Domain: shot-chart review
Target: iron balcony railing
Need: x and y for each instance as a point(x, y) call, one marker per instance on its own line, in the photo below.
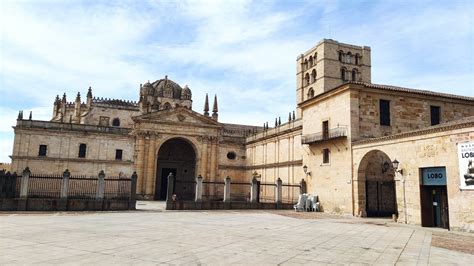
point(333, 133)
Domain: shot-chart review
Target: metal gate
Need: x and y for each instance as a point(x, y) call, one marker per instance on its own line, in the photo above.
point(380, 198)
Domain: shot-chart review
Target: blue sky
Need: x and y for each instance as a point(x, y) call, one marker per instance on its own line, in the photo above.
point(243, 51)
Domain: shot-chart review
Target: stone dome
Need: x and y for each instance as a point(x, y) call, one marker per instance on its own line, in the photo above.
point(167, 88)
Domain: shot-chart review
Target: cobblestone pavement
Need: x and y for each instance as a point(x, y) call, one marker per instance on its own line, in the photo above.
point(213, 237)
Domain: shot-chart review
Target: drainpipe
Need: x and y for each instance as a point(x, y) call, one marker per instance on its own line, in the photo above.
point(404, 199)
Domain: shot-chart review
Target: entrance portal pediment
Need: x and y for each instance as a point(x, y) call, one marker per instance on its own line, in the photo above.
point(179, 115)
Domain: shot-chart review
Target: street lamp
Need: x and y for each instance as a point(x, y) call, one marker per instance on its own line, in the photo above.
point(305, 170)
point(395, 165)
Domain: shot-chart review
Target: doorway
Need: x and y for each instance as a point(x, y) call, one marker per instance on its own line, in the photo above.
point(176, 156)
point(434, 198)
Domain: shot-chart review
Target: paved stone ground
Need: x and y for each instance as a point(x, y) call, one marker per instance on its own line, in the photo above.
point(153, 236)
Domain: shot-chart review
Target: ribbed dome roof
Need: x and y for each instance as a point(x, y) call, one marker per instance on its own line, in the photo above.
point(166, 88)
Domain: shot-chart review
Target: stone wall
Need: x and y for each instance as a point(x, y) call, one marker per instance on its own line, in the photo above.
point(433, 147)
point(63, 149)
point(276, 153)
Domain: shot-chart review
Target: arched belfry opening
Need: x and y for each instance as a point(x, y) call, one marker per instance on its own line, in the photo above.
point(176, 156)
point(376, 185)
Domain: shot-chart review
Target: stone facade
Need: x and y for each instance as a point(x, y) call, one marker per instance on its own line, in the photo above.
point(346, 132)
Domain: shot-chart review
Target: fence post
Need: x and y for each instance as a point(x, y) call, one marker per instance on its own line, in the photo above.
point(170, 191)
point(24, 183)
point(133, 191)
point(100, 186)
point(65, 184)
point(253, 190)
point(227, 189)
point(279, 190)
point(24, 189)
point(302, 187)
point(198, 196)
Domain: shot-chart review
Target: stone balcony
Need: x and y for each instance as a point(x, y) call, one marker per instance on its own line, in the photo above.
point(333, 133)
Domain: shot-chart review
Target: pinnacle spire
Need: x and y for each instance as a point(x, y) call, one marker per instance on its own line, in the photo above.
point(214, 106)
point(206, 106)
point(89, 92)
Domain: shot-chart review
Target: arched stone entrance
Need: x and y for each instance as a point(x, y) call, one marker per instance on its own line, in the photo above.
point(176, 156)
point(376, 185)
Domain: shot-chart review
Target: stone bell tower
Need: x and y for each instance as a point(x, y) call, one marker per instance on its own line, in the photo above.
point(328, 65)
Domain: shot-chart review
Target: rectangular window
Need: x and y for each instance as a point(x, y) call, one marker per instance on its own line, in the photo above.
point(325, 129)
point(435, 115)
point(326, 156)
point(82, 150)
point(104, 121)
point(43, 149)
point(384, 112)
point(118, 154)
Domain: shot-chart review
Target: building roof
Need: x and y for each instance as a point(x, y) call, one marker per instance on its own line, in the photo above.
point(416, 91)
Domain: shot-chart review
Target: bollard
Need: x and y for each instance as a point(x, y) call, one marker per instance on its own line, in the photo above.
point(227, 189)
point(198, 196)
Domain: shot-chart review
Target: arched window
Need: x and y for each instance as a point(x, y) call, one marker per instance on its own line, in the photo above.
point(305, 65)
point(341, 56)
point(310, 93)
point(349, 58)
point(116, 122)
point(313, 76)
point(354, 74)
point(343, 74)
point(357, 56)
point(310, 61)
point(315, 58)
point(306, 79)
point(167, 106)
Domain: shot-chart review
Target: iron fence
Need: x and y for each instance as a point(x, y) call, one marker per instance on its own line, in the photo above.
point(82, 187)
point(213, 190)
point(290, 193)
point(240, 191)
point(44, 186)
point(9, 185)
point(267, 192)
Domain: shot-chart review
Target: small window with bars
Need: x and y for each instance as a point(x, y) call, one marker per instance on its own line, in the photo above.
point(43, 150)
point(118, 154)
point(326, 156)
point(82, 150)
point(326, 129)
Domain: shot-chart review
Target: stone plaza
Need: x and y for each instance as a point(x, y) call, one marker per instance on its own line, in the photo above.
point(152, 235)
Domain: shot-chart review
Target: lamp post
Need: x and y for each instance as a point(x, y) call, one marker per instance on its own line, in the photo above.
point(395, 165)
point(305, 170)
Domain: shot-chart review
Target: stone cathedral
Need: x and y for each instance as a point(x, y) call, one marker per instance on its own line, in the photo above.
point(363, 148)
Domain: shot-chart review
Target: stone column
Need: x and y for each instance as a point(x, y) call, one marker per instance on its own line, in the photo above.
point(227, 189)
point(204, 159)
point(140, 163)
point(279, 190)
point(253, 191)
point(150, 168)
point(198, 196)
point(65, 184)
point(213, 158)
point(24, 183)
point(100, 186)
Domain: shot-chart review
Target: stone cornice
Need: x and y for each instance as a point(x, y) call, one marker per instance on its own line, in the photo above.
point(275, 135)
point(76, 160)
point(434, 129)
point(273, 165)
